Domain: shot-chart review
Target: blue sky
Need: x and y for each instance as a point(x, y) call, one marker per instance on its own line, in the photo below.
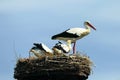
point(23, 22)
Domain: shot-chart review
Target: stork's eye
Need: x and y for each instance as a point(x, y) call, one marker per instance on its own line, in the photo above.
point(87, 23)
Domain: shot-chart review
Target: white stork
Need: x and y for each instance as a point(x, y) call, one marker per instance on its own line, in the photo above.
point(37, 52)
point(41, 49)
point(60, 48)
point(73, 34)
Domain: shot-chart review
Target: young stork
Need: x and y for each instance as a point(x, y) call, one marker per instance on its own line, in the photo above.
point(73, 34)
point(41, 49)
point(37, 52)
point(60, 48)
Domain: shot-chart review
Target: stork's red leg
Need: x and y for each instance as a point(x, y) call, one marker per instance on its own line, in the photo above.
point(74, 48)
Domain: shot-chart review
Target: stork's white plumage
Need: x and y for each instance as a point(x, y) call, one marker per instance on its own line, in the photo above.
point(37, 52)
point(41, 49)
point(61, 48)
point(73, 34)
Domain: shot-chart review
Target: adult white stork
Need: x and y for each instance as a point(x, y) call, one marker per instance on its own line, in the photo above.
point(60, 48)
point(73, 34)
point(41, 49)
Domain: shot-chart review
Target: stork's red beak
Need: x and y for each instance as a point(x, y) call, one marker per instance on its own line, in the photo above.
point(91, 25)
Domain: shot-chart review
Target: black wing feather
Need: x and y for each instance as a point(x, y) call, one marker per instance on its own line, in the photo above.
point(39, 46)
point(65, 34)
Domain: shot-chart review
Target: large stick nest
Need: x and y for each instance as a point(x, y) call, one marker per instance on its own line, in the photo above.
point(56, 68)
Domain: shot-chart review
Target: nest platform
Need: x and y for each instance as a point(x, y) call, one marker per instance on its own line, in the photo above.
point(57, 68)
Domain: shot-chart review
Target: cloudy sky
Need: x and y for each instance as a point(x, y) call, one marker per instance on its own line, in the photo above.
point(23, 22)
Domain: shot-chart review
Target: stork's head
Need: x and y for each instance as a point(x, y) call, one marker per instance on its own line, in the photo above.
point(87, 23)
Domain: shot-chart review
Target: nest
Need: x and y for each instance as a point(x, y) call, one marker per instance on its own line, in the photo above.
point(56, 68)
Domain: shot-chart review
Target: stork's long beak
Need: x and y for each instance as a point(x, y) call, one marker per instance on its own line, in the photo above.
point(91, 25)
